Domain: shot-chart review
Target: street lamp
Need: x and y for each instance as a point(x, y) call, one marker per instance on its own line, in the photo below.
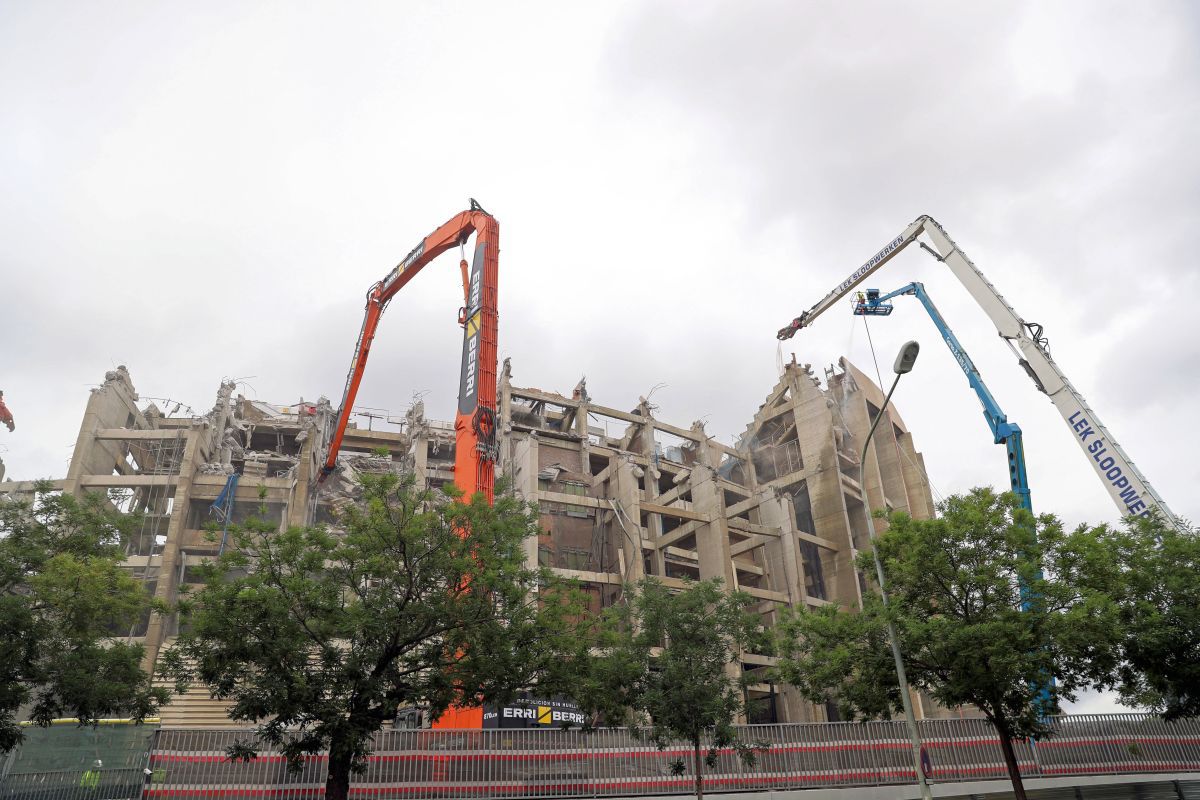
point(905, 360)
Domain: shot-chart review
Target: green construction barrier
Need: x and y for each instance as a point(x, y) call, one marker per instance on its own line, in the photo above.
point(65, 746)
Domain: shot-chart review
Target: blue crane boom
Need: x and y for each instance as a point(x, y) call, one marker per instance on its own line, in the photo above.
point(872, 304)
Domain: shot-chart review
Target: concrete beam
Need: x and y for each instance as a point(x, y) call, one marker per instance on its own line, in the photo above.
point(817, 540)
point(769, 414)
point(674, 583)
point(572, 499)
point(131, 434)
point(745, 505)
point(248, 484)
point(759, 660)
point(127, 481)
point(550, 433)
point(730, 486)
point(615, 453)
point(672, 511)
point(28, 486)
point(792, 477)
point(682, 433)
point(588, 577)
point(745, 566)
point(682, 532)
point(764, 594)
point(749, 544)
point(545, 397)
point(851, 486)
point(673, 494)
point(142, 561)
point(739, 524)
point(604, 474)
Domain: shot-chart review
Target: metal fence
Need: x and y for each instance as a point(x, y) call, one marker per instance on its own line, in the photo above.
point(75, 784)
point(73, 762)
point(500, 764)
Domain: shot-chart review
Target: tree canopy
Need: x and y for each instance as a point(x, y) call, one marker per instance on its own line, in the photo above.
point(989, 604)
point(62, 591)
point(674, 660)
point(1160, 615)
point(419, 600)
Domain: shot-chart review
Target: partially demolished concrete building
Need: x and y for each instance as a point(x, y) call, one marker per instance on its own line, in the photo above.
point(621, 494)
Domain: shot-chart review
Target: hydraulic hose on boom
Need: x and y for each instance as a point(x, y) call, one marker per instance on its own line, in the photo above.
point(1126, 485)
point(475, 421)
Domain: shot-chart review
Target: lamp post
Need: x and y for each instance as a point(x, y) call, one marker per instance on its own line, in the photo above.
point(905, 360)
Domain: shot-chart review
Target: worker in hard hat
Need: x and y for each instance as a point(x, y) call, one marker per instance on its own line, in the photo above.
point(90, 779)
point(6, 416)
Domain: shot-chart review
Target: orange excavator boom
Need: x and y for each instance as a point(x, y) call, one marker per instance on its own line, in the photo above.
point(475, 421)
point(6, 417)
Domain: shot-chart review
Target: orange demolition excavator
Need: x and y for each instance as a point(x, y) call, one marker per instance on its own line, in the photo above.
point(475, 422)
point(6, 417)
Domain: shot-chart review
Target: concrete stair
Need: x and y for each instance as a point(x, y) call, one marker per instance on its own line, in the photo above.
point(195, 708)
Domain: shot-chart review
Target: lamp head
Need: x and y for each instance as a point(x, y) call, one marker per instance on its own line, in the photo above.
point(906, 358)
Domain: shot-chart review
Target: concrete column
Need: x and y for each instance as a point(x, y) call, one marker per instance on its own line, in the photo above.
point(791, 706)
point(623, 487)
point(418, 444)
point(523, 465)
point(109, 406)
point(920, 496)
point(504, 392)
point(891, 464)
point(581, 425)
point(712, 537)
point(221, 410)
point(654, 522)
point(783, 568)
point(168, 575)
point(299, 498)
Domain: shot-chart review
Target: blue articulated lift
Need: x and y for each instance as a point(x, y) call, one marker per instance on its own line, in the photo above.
point(1128, 488)
point(872, 304)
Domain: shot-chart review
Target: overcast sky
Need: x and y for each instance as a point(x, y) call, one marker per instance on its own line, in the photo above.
point(206, 191)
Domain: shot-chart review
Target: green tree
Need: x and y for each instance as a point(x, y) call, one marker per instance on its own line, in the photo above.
point(62, 591)
point(956, 587)
point(320, 637)
point(673, 659)
point(1160, 616)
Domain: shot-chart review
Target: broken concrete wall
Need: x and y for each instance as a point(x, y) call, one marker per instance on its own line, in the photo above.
point(620, 493)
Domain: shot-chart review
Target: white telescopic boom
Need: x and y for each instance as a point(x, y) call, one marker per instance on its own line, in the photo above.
point(1125, 483)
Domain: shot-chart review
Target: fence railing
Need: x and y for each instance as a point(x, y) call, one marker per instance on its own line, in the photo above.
point(500, 764)
point(75, 784)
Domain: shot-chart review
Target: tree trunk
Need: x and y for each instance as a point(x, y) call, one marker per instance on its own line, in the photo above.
point(699, 767)
point(1010, 761)
point(337, 785)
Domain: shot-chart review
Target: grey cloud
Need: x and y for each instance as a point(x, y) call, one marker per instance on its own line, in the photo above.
point(224, 183)
point(1052, 141)
point(854, 118)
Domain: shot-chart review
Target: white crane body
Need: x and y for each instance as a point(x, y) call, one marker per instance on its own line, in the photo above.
point(1125, 483)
